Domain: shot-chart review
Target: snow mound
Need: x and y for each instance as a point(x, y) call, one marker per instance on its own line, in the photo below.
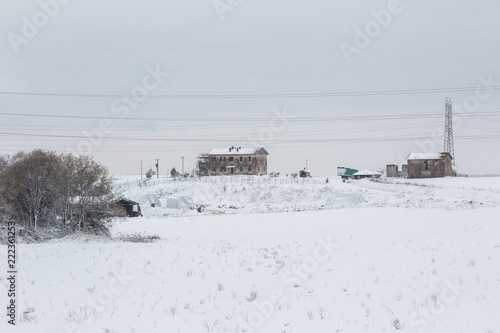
point(345, 198)
point(182, 202)
point(150, 200)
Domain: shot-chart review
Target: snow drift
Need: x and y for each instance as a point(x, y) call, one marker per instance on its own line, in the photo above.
point(181, 202)
point(345, 198)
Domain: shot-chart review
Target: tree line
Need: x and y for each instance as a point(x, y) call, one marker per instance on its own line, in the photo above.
point(42, 190)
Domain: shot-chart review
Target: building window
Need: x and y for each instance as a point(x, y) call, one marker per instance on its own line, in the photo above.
point(241, 169)
point(258, 158)
point(214, 159)
point(258, 168)
point(241, 158)
point(249, 158)
point(223, 159)
point(231, 159)
point(250, 168)
point(215, 170)
point(264, 168)
point(426, 165)
point(222, 169)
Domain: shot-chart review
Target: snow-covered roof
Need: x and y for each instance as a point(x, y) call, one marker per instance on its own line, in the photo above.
point(234, 151)
point(366, 173)
point(425, 156)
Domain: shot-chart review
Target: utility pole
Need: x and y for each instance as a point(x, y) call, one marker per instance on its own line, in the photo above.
point(183, 164)
point(157, 168)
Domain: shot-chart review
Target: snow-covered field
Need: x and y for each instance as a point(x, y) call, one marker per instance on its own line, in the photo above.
point(418, 256)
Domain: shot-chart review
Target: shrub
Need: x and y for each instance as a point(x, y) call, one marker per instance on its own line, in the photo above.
point(43, 190)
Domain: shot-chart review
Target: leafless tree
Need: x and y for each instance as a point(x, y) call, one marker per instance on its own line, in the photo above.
point(43, 188)
point(29, 185)
point(203, 165)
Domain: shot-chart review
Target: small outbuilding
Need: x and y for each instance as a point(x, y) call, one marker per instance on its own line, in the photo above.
point(304, 173)
point(366, 174)
point(430, 165)
point(132, 208)
point(392, 171)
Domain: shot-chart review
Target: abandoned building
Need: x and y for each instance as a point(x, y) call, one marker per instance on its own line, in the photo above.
point(429, 165)
point(392, 170)
point(304, 173)
point(234, 161)
point(132, 208)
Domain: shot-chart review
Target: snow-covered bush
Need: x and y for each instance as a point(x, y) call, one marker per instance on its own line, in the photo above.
point(150, 173)
point(43, 190)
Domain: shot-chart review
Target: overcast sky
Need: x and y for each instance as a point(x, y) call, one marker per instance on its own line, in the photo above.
point(325, 80)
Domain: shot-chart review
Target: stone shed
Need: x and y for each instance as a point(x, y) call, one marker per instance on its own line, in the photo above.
point(429, 165)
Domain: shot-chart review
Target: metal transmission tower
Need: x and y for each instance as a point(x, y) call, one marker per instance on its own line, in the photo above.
point(449, 146)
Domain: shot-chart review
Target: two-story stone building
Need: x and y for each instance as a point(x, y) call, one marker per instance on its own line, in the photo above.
point(236, 161)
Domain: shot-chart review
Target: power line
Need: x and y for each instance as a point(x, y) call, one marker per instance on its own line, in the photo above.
point(217, 46)
point(225, 119)
point(337, 140)
point(260, 96)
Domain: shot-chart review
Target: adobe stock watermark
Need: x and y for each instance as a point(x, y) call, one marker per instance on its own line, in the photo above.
point(291, 278)
point(277, 124)
point(122, 108)
point(31, 27)
point(222, 7)
point(484, 90)
point(98, 301)
point(423, 317)
point(372, 29)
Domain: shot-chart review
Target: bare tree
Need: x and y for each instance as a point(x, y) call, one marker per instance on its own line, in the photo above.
point(41, 189)
point(93, 190)
point(203, 165)
point(29, 184)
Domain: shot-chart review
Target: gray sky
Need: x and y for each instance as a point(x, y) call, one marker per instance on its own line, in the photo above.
point(274, 56)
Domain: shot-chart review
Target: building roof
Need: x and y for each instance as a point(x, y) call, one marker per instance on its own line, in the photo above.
point(366, 173)
point(236, 151)
point(426, 156)
point(126, 201)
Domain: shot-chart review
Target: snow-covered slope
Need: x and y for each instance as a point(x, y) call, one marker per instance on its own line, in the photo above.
point(258, 195)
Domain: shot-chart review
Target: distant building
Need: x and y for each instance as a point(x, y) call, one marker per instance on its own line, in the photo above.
point(430, 165)
point(346, 172)
point(132, 208)
point(392, 170)
point(304, 173)
point(235, 161)
point(366, 174)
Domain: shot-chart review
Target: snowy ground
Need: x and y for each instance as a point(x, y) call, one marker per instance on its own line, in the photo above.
point(419, 256)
